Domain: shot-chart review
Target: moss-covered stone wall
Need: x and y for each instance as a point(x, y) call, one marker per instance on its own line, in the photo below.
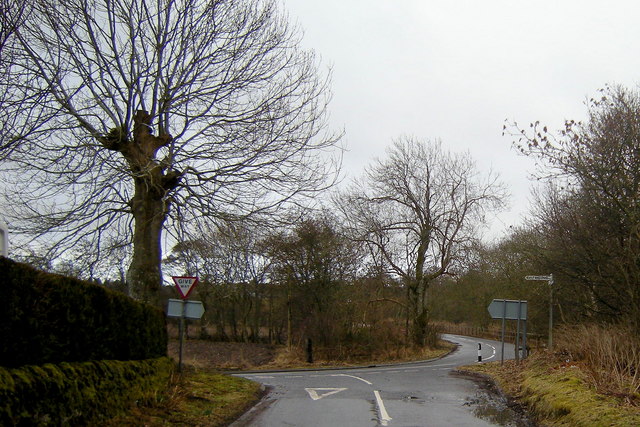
point(79, 394)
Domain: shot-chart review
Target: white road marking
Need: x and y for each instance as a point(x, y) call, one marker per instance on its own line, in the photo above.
point(351, 376)
point(313, 392)
point(262, 376)
point(493, 354)
point(294, 376)
point(382, 411)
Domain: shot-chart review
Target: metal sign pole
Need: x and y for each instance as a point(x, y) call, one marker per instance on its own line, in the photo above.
point(181, 332)
point(550, 345)
point(518, 332)
point(525, 351)
point(504, 311)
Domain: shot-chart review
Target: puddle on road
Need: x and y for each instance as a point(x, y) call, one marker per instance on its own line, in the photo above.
point(491, 406)
point(496, 411)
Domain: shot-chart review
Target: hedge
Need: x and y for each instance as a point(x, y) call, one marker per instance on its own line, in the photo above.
point(79, 394)
point(49, 318)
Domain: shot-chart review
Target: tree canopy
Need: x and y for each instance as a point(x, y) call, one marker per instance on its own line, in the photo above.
point(134, 117)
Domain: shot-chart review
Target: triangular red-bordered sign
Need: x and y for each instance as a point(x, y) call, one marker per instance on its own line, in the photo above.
point(184, 285)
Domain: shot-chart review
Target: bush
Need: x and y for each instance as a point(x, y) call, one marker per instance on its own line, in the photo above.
point(79, 393)
point(49, 318)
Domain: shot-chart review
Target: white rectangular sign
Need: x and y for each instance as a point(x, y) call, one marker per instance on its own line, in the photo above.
point(191, 309)
point(509, 309)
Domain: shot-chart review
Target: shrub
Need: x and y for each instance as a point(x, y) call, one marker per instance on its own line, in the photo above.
point(49, 318)
point(79, 393)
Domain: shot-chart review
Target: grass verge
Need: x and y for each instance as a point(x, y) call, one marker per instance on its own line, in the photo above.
point(196, 398)
point(557, 394)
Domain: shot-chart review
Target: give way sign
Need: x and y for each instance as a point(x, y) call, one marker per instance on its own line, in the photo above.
point(184, 285)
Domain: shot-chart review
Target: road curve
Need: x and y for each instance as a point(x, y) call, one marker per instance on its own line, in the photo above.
point(425, 393)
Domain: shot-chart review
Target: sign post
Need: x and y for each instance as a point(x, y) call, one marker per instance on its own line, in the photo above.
point(184, 309)
point(509, 310)
point(548, 279)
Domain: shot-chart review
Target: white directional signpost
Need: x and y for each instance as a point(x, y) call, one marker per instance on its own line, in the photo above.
point(548, 279)
point(511, 310)
point(183, 309)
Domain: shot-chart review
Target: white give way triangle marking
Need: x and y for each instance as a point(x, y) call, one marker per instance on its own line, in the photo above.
point(319, 393)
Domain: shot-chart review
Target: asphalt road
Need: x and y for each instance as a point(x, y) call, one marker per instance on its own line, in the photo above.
point(413, 394)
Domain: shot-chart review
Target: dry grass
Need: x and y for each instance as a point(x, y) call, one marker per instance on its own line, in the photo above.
point(609, 355)
point(204, 354)
point(295, 358)
point(226, 356)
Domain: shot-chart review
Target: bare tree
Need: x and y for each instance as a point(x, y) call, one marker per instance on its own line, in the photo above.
point(12, 15)
point(591, 221)
point(153, 115)
point(419, 210)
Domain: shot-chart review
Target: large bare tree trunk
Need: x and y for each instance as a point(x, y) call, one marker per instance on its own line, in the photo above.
point(145, 276)
point(149, 206)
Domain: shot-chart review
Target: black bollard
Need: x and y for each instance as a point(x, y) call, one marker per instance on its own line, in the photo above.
point(309, 351)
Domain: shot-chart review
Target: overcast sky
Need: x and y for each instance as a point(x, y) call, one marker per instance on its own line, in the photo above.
point(456, 70)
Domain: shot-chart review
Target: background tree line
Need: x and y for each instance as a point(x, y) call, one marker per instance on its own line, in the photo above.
point(211, 139)
point(583, 228)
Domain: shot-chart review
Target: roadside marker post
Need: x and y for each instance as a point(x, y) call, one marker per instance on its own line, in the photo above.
point(479, 352)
